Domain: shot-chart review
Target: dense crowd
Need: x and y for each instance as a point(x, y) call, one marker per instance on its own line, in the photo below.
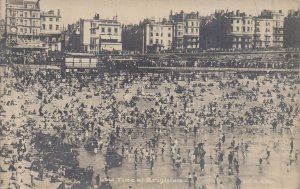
point(270, 61)
point(225, 61)
point(199, 120)
point(31, 58)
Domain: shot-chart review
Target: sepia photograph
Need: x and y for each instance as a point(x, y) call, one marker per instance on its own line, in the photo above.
point(149, 94)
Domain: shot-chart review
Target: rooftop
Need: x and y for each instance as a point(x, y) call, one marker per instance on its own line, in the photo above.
point(153, 21)
point(51, 13)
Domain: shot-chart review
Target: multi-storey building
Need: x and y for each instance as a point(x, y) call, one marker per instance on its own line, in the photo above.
point(156, 36)
point(2, 34)
point(2, 28)
point(23, 25)
point(263, 36)
point(51, 30)
point(239, 30)
point(292, 29)
point(268, 29)
point(97, 35)
point(186, 30)
point(278, 19)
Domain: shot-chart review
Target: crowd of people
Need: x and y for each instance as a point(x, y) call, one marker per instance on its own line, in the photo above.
point(38, 57)
point(184, 125)
point(226, 61)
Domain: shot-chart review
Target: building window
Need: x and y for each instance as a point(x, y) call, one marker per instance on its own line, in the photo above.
point(44, 18)
point(244, 22)
point(169, 34)
point(44, 26)
point(50, 26)
point(57, 28)
point(169, 28)
point(102, 30)
point(161, 34)
point(248, 29)
point(237, 28)
point(57, 19)
point(151, 34)
point(116, 30)
point(244, 28)
point(237, 21)
point(231, 29)
point(192, 30)
point(109, 30)
point(161, 42)
point(157, 34)
point(25, 30)
point(196, 30)
point(151, 27)
point(151, 41)
point(192, 23)
point(50, 19)
point(248, 21)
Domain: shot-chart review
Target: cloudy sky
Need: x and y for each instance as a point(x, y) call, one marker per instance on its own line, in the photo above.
point(132, 11)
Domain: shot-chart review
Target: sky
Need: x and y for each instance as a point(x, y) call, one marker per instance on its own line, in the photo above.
point(133, 11)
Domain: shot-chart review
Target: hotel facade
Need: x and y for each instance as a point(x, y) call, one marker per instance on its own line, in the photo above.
point(100, 35)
